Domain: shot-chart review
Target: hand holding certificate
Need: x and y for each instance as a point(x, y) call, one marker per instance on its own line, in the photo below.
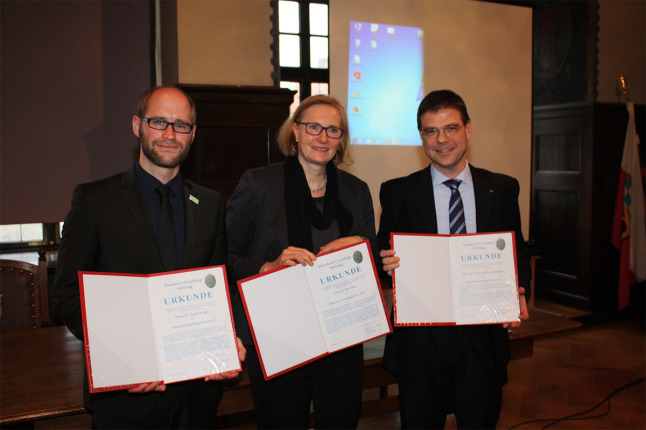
point(166, 327)
point(463, 279)
point(300, 313)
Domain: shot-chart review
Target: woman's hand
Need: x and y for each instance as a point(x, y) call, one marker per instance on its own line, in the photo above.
point(340, 243)
point(389, 261)
point(290, 256)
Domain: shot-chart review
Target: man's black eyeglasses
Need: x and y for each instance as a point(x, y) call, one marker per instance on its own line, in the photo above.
point(160, 124)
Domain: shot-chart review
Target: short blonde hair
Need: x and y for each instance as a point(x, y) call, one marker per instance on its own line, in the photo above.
point(287, 141)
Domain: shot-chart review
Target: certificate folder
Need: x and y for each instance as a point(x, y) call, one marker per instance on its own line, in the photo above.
point(455, 280)
point(301, 313)
point(167, 327)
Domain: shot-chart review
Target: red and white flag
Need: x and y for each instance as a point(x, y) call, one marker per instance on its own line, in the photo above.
point(629, 226)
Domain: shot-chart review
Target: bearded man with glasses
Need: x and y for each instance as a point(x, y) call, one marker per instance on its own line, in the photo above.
point(115, 225)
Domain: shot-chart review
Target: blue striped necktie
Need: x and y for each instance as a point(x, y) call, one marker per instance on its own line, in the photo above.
point(457, 224)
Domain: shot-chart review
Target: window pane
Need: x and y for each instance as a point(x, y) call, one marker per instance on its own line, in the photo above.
point(290, 51)
point(288, 17)
point(318, 19)
point(32, 232)
point(294, 86)
point(10, 233)
point(320, 88)
point(318, 52)
point(16, 233)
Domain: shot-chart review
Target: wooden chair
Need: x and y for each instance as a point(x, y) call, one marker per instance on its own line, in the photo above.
point(23, 295)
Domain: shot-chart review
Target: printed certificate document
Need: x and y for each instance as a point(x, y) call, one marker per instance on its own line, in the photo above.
point(300, 313)
point(168, 327)
point(463, 279)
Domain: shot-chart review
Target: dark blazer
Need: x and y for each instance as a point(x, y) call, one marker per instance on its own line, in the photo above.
point(408, 206)
point(108, 229)
point(257, 224)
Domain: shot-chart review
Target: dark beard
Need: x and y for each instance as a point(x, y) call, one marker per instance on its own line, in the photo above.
point(149, 153)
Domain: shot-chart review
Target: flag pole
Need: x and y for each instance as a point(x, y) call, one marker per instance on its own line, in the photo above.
point(629, 225)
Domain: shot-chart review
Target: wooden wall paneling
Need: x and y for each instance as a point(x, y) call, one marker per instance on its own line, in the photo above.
point(557, 198)
point(236, 131)
point(577, 150)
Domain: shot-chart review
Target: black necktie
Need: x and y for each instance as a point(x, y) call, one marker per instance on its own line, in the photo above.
point(457, 224)
point(166, 227)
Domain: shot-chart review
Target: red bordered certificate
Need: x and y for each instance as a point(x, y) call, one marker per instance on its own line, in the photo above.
point(167, 327)
point(301, 313)
point(455, 279)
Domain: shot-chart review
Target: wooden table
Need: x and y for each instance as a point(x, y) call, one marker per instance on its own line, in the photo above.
point(41, 375)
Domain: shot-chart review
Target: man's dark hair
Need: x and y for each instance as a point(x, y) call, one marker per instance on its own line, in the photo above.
point(441, 99)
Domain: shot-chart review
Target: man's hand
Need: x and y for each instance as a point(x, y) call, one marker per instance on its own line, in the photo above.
point(524, 313)
point(389, 261)
point(231, 374)
point(147, 388)
point(242, 351)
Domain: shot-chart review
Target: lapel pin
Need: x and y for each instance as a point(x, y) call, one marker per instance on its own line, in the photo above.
point(194, 199)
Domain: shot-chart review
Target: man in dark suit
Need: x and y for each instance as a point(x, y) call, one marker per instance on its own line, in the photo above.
point(450, 368)
point(113, 226)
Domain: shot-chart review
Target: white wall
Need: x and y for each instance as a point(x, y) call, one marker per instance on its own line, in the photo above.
point(224, 42)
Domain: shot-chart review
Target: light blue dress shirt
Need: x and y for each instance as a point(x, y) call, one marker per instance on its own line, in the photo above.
point(442, 195)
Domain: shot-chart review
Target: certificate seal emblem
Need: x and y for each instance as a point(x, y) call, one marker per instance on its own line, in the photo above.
point(357, 256)
point(500, 244)
point(209, 280)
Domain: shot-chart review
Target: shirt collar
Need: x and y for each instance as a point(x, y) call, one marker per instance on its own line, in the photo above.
point(438, 178)
point(149, 183)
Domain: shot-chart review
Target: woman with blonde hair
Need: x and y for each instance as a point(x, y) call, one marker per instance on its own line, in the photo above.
point(286, 214)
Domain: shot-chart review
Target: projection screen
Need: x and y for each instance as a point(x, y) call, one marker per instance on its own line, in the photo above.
point(482, 51)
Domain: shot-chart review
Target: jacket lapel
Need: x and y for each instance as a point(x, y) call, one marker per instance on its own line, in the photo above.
point(424, 198)
point(191, 212)
point(484, 192)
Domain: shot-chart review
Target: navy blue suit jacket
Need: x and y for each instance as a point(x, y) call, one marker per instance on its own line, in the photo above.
point(108, 229)
point(408, 206)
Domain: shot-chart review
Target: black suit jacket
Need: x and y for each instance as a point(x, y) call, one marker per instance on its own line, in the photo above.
point(408, 206)
point(257, 224)
point(108, 229)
